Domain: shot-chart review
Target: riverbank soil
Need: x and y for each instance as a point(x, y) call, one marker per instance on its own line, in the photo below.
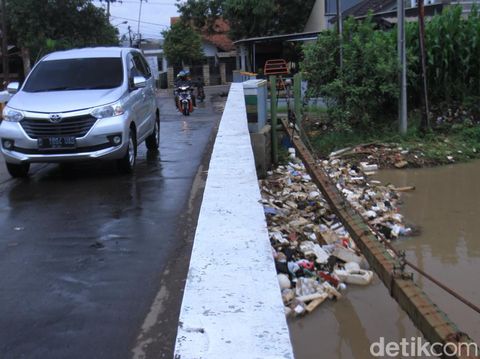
point(454, 137)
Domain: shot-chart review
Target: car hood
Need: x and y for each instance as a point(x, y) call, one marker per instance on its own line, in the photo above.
point(63, 101)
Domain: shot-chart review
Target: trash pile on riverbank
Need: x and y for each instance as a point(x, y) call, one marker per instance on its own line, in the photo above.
point(315, 257)
point(453, 139)
point(385, 155)
point(376, 203)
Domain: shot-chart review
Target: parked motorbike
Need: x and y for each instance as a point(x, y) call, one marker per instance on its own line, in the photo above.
point(184, 99)
point(200, 93)
point(200, 90)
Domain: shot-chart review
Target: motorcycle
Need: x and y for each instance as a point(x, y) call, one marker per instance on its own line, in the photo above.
point(200, 90)
point(200, 93)
point(184, 99)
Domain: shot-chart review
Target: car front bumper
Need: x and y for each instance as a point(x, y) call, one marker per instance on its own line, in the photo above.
point(95, 144)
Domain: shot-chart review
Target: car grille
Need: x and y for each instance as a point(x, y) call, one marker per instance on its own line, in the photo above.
point(62, 151)
point(69, 126)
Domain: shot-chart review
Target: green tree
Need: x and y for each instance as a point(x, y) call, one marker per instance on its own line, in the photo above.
point(202, 13)
point(182, 45)
point(249, 18)
point(364, 94)
point(108, 5)
point(42, 26)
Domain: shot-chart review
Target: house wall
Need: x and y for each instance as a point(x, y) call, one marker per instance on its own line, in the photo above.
point(317, 20)
point(209, 50)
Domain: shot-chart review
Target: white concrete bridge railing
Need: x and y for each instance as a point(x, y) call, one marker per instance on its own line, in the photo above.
point(232, 307)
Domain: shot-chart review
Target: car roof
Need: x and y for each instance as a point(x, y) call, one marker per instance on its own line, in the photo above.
point(88, 52)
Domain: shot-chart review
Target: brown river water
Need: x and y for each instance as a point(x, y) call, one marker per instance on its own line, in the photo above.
point(446, 207)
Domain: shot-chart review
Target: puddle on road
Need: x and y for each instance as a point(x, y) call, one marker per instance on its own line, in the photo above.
point(445, 205)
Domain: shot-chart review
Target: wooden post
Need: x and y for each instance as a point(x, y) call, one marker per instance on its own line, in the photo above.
point(402, 60)
point(340, 34)
point(425, 124)
point(273, 115)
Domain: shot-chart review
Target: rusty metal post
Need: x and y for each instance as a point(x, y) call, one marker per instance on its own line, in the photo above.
point(402, 61)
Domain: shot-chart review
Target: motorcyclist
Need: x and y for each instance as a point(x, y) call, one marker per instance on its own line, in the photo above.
point(183, 79)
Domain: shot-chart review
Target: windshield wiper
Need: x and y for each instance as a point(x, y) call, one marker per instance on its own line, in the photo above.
point(63, 88)
point(99, 87)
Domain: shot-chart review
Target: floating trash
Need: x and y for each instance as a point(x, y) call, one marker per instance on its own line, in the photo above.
point(315, 257)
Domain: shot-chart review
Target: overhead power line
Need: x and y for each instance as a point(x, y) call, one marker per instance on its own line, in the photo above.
point(149, 3)
point(136, 20)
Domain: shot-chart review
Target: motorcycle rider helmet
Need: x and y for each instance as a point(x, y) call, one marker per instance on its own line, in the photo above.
point(182, 75)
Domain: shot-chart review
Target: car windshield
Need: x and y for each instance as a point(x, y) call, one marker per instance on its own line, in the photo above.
point(76, 74)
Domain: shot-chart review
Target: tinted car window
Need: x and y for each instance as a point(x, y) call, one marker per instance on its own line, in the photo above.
point(147, 67)
point(76, 74)
point(139, 65)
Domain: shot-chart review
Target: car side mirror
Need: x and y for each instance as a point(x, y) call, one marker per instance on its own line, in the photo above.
point(139, 82)
point(12, 87)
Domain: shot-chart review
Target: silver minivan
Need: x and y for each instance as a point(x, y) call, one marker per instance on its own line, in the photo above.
point(81, 104)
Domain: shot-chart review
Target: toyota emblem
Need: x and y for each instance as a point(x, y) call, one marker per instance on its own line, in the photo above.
point(55, 118)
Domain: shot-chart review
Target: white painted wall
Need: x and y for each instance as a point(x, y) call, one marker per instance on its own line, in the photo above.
point(317, 20)
point(209, 49)
point(232, 306)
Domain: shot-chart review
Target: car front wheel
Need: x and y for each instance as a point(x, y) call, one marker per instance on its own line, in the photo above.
point(152, 142)
point(18, 170)
point(126, 164)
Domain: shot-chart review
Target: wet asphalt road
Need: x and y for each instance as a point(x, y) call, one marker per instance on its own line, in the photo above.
point(92, 263)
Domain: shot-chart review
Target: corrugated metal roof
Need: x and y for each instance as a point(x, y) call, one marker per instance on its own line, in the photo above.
point(286, 37)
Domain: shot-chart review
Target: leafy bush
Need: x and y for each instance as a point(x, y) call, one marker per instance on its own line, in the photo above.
point(365, 90)
point(365, 94)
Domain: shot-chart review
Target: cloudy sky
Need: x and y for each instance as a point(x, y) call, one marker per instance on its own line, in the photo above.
point(155, 15)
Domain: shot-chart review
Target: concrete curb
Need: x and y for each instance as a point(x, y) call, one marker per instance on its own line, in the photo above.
point(232, 306)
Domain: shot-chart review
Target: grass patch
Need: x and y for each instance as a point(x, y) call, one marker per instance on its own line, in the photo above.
point(459, 143)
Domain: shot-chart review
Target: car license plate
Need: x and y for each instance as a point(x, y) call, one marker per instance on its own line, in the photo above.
point(56, 142)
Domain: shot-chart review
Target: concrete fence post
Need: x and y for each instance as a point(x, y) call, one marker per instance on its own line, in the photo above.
point(273, 116)
point(170, 76)
point(206, 75)
point(223, 73)
point(297, 95)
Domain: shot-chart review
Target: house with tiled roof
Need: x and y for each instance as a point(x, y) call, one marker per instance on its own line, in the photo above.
point(220, 54)
point(385, 11)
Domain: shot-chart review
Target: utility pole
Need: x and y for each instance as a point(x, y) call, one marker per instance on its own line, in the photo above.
point(6, 70)
point(139, 15)
point(108, 7)
point(425, 124)
point(130, 35)
point(402, 57)
point(340, 33)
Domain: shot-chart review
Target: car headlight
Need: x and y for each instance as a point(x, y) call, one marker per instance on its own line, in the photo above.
point(9, 114)
point(115, 109)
